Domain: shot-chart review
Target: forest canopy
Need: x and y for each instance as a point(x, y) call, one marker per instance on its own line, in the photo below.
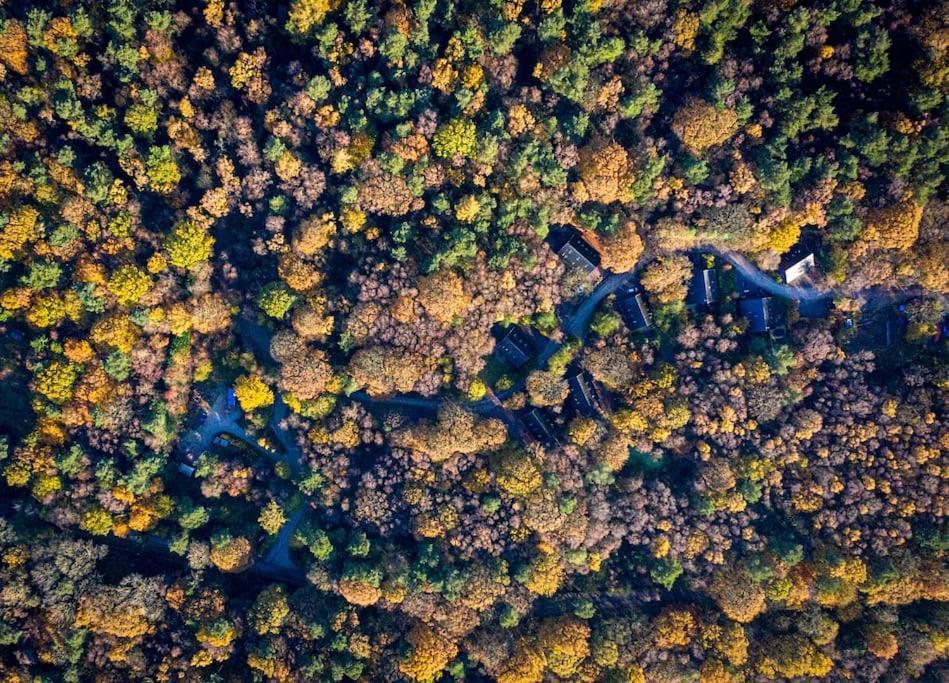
point(514, 340)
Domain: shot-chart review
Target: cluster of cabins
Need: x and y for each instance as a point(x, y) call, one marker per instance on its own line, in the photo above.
point(516, 348)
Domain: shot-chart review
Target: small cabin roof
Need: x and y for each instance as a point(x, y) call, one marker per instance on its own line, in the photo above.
point(703, 289)
point(635, 312)
point(538, 426)
point(578, 253)
point(762, 313)
point(515, 347)
point(582, 395)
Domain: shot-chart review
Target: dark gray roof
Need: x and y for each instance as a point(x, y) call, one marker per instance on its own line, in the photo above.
point(582, 395)
point(578, 253)
point(539, 427)
point(515, 347)
point(747, 288)
point(635, 313)
point(703, 290)
point(762, 313)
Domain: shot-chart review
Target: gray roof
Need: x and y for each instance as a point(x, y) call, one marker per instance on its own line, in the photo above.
point(703, 290)
point(582, 395)
point(635, 313)
point(515, 347)
point(762, 313)
point(578, 253)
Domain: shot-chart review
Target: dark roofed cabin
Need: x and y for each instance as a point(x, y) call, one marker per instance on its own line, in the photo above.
point(703, 289)
point(539, 427)
point(582, 395)
point(578, 253)
point(635, 313)
point(762, 314)
point(515, 347)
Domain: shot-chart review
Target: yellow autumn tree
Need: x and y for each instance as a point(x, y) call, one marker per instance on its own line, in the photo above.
point(895, 226)
point(305, 15)
point(667, 278)
point(21, 228)
point(129, 284)
point(545, 574)
point(253, 393)
point(188, 244)
point(526, 665)
point(231, 553)
point(455, 431)
point(442, 294)
point(565, 642)
point(385, 370)
point(429, 655)
point(792, 656)
point(737, 594)
point(621, 250)
point(700, 125)
point(271, 517)
point(13, 47)
point(56, 381)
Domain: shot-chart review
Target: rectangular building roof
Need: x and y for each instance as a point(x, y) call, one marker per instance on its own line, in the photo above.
point(578, 253)
point(762, 313)
point(539, 427)
point(515, 347)
point(703, 289)
point(634, 312)
point(582, 395)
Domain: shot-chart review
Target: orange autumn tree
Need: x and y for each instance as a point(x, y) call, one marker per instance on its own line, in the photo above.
point(619, 251)
point(606, 174)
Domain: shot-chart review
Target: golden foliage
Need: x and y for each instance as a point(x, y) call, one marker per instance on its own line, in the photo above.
point(430, 653)
point(188, 244)
point(739, 596)
point(700, 125)
point(667, 278)
point(546, 388)
point(13, 47)
point(895, 226)
point(271, 517)
point(385, 370)
point(305, 15)
point(516, 473)
point(455, 431)
point(22, 228)
point(792, 656)
point(526, 665)
point(56, 380)
point(232, 554)
point(314, 233)
point(621, 250)
point(253, 393)
point(129, 283)
point(442, 294)
point(545, 574)
point(357, 591)
point(606, 174)
point(675, 627)
point(565, 642)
